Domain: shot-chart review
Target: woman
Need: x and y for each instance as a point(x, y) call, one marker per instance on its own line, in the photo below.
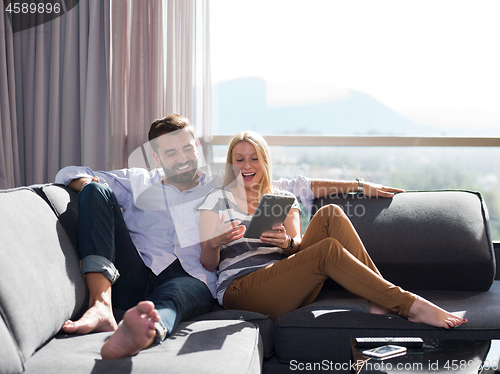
point(282, 270)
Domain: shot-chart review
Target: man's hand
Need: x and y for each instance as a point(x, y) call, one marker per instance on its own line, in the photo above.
point(377, 190)
point(328, 187)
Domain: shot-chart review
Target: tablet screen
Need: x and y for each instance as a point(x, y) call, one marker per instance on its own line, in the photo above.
point(272, 210)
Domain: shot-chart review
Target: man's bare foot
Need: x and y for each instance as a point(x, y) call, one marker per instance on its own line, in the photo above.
point(426, 312)
point(135, 333)
point(98, 318)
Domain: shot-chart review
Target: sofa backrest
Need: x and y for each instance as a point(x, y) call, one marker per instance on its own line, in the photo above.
point(425, 240)
point(64, 203)
point(10, 359)
point(41, 285)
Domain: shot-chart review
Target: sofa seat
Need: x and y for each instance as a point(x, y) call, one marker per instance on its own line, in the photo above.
point(322, 330)
point(194, 347)
point(41, 286)
point(434, 243)
point(263, 322)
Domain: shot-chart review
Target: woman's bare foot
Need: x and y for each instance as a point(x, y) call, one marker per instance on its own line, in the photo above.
point(135, 333)
point(98, 318)
point(426, 312)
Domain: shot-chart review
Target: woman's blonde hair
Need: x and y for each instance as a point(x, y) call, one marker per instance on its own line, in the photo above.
point(263, 155)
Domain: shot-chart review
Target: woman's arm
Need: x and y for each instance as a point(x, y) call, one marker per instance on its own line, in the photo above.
point(213, 234)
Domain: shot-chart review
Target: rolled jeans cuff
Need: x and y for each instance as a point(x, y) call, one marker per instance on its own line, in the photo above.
point(161, 332)
point(100, 264)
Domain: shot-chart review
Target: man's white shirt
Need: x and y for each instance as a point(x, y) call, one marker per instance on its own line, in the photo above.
point(161, 219)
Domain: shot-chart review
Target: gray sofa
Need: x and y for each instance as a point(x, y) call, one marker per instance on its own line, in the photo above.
point(41, 286)
point(435, 243)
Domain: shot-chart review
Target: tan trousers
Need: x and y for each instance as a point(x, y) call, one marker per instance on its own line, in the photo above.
point(330, 248)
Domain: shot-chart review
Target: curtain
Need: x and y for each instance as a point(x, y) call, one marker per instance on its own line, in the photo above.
point(137, 74)
point(84, 88)
point(160, 65)
point(54, 96)
point(188, 90)
point(9, 155)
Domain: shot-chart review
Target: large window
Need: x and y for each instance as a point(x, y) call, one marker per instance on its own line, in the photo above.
point(369, 68)
point(392, 67)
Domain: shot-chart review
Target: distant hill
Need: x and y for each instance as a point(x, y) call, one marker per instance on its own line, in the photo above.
point(240, 104)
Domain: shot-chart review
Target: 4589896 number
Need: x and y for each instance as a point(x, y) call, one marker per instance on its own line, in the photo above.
point(26, 7)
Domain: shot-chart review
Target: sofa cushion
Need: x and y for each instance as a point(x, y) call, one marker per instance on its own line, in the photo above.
point(321, 330)
point(10, 361)
point(40, 282)
point(263, 322)
point(64, 203)
point(425, 240)
point(194, 347)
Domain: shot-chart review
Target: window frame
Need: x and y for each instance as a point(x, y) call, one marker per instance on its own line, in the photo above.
point(371, 141)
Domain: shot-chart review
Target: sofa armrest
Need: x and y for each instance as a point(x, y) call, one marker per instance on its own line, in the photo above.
point(425, 240)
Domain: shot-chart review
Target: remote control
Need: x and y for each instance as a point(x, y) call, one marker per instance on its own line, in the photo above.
point(409, 342)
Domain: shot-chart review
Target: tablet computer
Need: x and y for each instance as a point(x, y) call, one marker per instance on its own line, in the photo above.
point(272, 210)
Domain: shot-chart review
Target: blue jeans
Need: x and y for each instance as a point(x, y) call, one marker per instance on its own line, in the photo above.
point(105, 246)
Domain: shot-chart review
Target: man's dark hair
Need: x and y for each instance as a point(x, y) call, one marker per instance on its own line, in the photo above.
point(168, 124)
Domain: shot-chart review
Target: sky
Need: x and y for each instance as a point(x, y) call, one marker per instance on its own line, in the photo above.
point(434, 61)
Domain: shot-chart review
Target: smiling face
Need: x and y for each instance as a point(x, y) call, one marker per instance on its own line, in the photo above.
point(178, 155)
point(245, 158)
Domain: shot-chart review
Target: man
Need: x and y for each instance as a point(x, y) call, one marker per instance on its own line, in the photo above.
point(138, 238)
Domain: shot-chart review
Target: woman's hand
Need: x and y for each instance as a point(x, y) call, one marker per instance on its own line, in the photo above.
point(276, 237)
point(226, 233)
point(214, 233)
